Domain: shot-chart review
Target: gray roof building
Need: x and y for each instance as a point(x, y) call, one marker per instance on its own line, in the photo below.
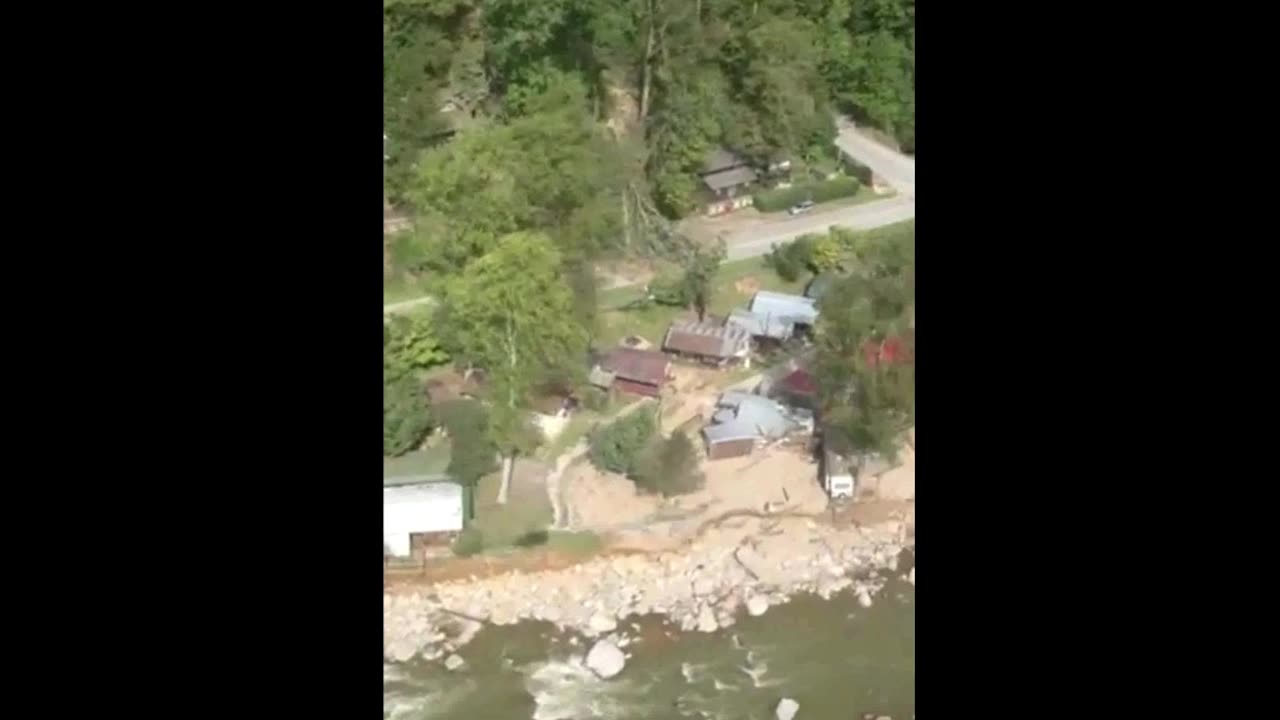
point(785, 307)
point(762, 324)
point(707, 340)
point(730, 431)
point(724, 171)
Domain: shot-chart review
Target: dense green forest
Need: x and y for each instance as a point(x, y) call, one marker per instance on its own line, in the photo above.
point(529, 139)
point(589, 118)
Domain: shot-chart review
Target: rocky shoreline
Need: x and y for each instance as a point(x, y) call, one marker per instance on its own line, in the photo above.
point(746, 564)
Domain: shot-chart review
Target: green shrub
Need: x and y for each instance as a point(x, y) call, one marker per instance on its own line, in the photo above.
point(793, 258)
point(781, 199)
point(615, 447)
point(533, 538)
point(594, 399)
point(469, 542)
point(669, 466)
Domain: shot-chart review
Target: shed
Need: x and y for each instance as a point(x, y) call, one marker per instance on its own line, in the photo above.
point(788, 308)
point(731, 439)
point(419, 511)
point(708, 340)
point(761, 324)
point(641, 372)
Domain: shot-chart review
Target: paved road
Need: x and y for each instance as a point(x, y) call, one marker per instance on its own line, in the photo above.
point(896, 169)
point(758, 239)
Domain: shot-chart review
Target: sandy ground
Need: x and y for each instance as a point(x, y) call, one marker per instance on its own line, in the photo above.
point(691, 394)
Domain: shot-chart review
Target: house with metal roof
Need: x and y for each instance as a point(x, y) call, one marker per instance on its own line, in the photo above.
point(418, 510)
point(740, 415)
point(761, 324)
point(731, 439)
point(709, 342)
point(640, 372)
point(795, 309)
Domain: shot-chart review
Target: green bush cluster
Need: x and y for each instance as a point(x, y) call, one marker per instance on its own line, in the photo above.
point(781, 199)
point(616, 446)
point(668, 466)
point(469, 542)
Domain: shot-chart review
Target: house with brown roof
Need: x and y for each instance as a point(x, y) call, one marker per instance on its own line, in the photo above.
point(640, 372)
point(709, 342)
point(727, 177)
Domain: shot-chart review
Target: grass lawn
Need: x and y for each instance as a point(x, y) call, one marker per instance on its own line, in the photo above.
point(729, 291)
point(429, 461)
point(527, 509)
point(574, 543)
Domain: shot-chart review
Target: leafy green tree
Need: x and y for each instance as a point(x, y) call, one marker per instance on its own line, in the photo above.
point(617, 447)
point(552, 170)
point(700, 271)
point(867, 397)
point(513, 316)
point(669, 466)
point(416, 55)
point(473, 454)
point(406, 418)
point(409, 343)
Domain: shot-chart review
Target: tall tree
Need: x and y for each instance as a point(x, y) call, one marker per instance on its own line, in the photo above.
point(513, 316)
point(549, 168)
point(406, 418)
point(700, 270)
point(864, 364)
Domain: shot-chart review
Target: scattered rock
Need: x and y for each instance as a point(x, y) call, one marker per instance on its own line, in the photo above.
point(757, 605)
point(864, 597)
point(704, 586)
point(707, 620)
point(605, 659)
point(911, 576)
point(601, 623)
point(453, 662)
point(787, 709)
point(402, 651)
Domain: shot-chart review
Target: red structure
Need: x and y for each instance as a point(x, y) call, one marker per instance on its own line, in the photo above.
point(890, 351)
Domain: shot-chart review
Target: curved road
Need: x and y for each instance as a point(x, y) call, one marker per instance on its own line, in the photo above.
point(895, 168)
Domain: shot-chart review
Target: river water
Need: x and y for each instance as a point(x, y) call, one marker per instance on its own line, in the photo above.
point(836, 658)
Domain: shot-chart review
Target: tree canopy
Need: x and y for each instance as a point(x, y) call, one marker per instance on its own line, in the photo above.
point(865, 365)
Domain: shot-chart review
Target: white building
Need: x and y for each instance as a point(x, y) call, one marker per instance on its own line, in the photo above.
point(418, 509)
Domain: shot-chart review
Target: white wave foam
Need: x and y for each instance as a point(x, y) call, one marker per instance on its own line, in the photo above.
point(568, 690)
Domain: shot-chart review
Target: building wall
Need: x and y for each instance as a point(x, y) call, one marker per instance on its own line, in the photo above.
point(635, 388)
point(396, 544)
point(730, 448)
point(426, 508)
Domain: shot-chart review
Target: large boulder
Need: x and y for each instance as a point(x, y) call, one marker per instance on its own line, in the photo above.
point(453, 662)
point(605, 659)
point(787, 709)
point(757, 605)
